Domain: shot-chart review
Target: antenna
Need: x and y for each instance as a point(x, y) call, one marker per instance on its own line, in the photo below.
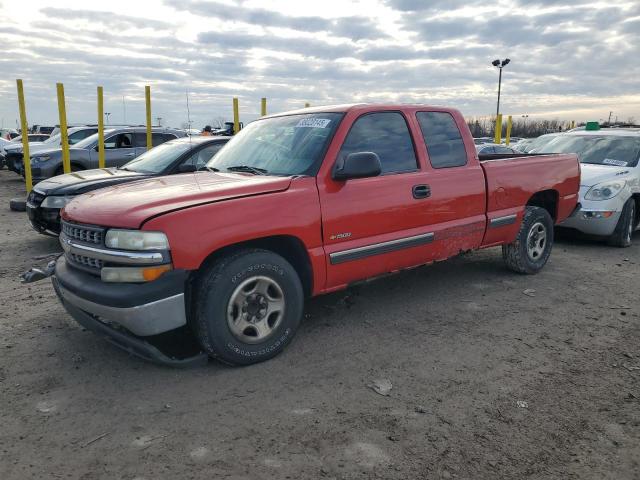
point(124, 110)
point(186, 92)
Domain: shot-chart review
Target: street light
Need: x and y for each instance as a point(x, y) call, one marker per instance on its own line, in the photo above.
point(500, 65)
point(106, 114)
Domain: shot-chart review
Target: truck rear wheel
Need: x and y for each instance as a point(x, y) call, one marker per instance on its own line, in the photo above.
point(623, 233)
point(532, 247)
point(248, 307)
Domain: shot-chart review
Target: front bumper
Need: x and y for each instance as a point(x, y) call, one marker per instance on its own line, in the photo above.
point(585, 218)
point(44, 219)
point(142, 309)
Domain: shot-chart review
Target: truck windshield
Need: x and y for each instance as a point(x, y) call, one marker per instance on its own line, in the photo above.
point(615, 150)
point(288, 145)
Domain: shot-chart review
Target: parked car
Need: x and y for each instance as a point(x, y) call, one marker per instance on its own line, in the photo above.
point(489, 148)
point(297, 205)
point(609, 184)
point(121, 145)
point(175, 156)
point(42, 129)
point(3, 142)
point(14, 151)
point(8, 133)
point(482, 140)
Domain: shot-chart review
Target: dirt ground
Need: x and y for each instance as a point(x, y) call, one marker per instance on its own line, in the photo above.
point(487, 381)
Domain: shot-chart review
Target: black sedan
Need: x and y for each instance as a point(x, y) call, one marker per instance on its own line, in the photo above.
point(183, 155)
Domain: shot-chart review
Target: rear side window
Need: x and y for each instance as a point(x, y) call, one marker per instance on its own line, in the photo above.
point(443, 139)
point(156, 139)
point(386, 134)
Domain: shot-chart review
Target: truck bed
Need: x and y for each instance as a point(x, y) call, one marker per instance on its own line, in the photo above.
point(514, 181)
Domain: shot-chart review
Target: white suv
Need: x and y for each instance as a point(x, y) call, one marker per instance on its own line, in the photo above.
point(609, 181)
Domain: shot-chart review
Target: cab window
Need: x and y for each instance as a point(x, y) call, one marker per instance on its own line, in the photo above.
point(443, 139)
point(387, 135)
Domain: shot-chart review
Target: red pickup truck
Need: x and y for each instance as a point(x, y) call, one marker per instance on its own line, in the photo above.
point(297, 205)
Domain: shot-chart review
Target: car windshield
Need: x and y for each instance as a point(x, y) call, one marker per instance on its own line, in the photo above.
point(615, 150)
point(288, 145)
point(537, 145)
point(90, 140)
point(53, 139)
point(159, 158)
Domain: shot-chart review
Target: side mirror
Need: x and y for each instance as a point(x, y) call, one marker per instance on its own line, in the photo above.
point(357, 165)
point(187, 167)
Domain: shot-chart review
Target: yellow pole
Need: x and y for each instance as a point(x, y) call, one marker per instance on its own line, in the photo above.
point(147, 98)
point(498, 134)
point(307, 105)
point(25, 137)
point(263, 107)
point(64, 139)
point(573, 124)
point(236, 116)
point(508, 139)
point(101, 163)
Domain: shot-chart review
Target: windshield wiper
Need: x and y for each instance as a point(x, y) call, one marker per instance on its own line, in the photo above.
point(248, 169)
point(208, 169)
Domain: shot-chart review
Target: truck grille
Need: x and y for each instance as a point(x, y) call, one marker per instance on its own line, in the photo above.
point(90, 263)
point(83, 233)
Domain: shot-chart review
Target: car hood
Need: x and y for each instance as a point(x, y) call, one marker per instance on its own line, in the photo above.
point(130, 205)
point(591, 174)
point(86, 180)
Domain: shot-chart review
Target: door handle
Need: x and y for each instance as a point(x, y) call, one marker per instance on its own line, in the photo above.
point(129, 154)
point(421, 191)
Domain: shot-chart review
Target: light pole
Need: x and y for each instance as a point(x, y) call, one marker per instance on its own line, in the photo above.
point(106, 114)
point(500, 65)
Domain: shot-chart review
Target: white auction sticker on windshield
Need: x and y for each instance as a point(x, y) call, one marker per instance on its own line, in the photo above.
point(617, 163)
point(313, 123)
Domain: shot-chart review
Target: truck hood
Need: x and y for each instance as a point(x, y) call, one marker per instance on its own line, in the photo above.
point(129, 205)
point(86, 180)
point(591, 174)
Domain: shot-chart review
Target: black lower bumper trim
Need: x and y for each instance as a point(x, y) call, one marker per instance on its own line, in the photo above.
point(129, 342)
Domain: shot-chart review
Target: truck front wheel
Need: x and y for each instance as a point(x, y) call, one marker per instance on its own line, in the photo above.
point(532, 247)
point(248, 307)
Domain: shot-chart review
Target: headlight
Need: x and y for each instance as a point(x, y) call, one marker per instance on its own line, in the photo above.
point(136, 240)
point(605, 190)
point(40, 159)
point(55, 202)
point(133, 274)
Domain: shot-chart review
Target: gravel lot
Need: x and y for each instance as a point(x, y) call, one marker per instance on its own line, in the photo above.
point(488, 381)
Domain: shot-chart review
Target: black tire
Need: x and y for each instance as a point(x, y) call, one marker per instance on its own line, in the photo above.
point(213, 293)
point(623, 233)
point(18, 205)
point(528, 254)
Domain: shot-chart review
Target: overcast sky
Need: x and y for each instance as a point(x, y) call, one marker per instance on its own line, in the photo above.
point(573, 60)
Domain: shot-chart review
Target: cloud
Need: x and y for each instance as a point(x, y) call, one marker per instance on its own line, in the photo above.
point(393, 51)
point(354, 27)
point(109, 19)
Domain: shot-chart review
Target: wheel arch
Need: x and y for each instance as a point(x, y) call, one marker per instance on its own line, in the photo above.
point(290, 247)
point(547, 199)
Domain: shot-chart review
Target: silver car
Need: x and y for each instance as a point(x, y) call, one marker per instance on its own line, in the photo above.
point(609, 182)
point(121, 145)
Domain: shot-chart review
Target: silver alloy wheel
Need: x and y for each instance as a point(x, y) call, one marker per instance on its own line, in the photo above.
point(255, 309)
point(536, 241)
point(632, 217)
